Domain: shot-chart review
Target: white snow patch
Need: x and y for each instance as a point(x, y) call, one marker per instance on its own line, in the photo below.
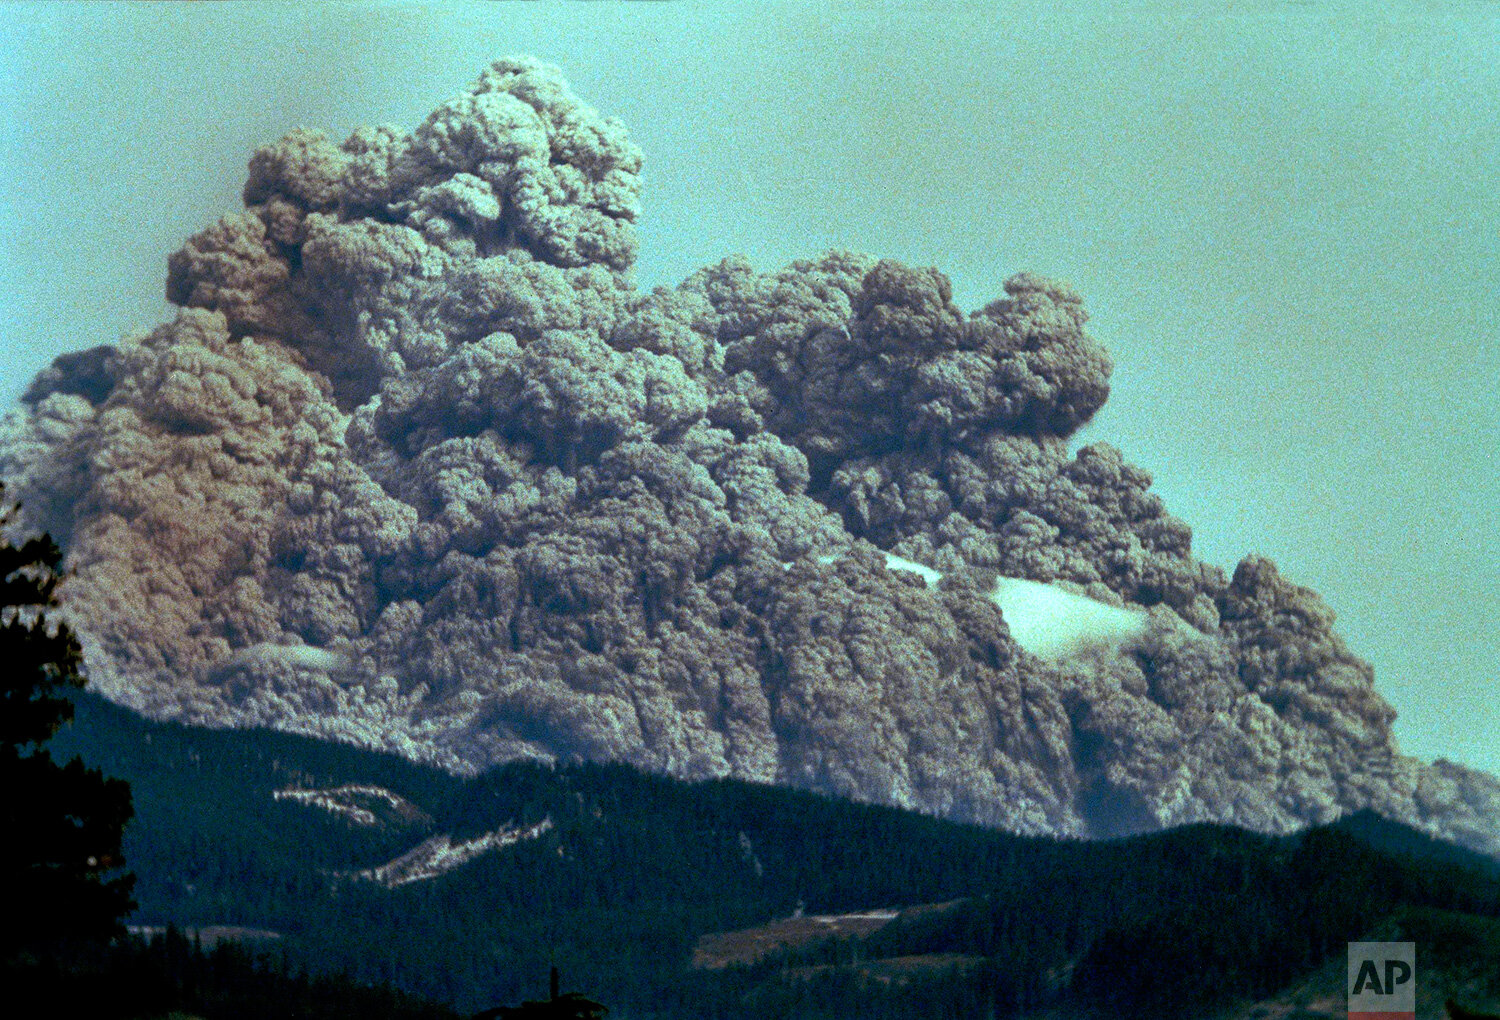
point(1048, 621)
point(298, 656)
point(894, 562)
point(1053, 623)
point(868, 915)
point(344, 800)
point(439, 855)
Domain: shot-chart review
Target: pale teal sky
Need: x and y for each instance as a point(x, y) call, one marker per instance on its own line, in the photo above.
point(1284, 217)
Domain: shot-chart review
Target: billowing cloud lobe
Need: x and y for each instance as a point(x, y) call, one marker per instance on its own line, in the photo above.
point(416, 466)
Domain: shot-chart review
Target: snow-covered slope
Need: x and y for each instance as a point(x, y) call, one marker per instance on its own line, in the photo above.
point(439, 854)
point(362, 805)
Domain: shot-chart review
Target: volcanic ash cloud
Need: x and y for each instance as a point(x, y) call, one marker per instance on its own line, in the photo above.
point(416, 466)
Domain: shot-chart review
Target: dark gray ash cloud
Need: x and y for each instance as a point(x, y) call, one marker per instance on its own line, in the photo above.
point(416, 466)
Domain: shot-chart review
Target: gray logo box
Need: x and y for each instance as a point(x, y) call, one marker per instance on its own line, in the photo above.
point(1382, 980)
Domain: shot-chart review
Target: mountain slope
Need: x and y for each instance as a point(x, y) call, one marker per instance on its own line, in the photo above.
point(635, 870)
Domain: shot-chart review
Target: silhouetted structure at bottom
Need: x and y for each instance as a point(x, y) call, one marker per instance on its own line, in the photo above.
point(572, 1006)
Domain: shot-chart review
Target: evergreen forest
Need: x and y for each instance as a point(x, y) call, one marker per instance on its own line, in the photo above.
point(635, 869)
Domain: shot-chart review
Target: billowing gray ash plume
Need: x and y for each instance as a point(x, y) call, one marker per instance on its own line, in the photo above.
point(416, 466)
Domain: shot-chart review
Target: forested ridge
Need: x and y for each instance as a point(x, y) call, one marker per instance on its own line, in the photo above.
point(636, 868)
point(174, 977)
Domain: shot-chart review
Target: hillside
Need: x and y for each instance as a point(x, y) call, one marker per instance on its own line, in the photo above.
point(635, 873)
point(177, 976)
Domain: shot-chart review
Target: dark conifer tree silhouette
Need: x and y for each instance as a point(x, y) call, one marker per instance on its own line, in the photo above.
point(60, 853)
